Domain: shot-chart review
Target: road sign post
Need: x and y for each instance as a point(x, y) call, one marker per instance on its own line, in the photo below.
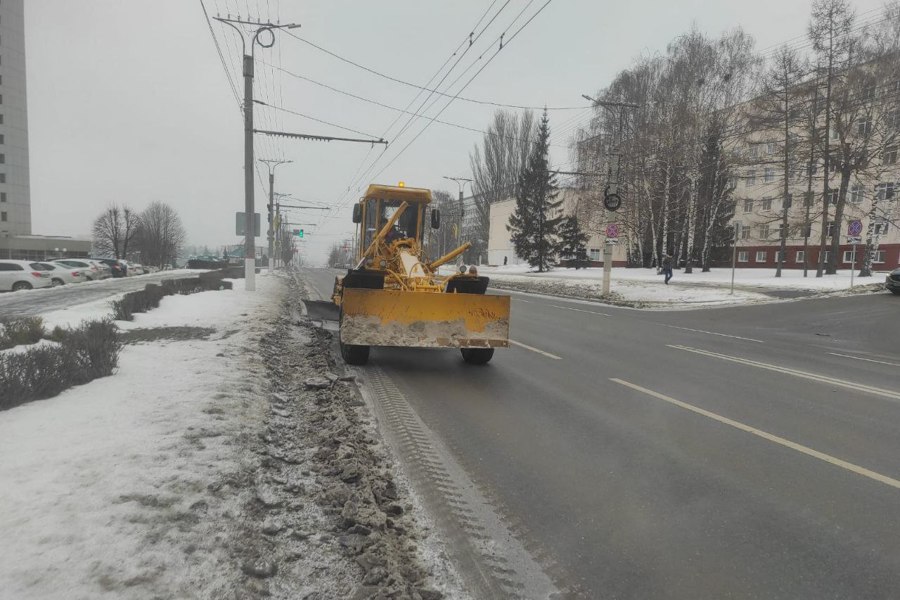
point(612, 238)
point(853, 231)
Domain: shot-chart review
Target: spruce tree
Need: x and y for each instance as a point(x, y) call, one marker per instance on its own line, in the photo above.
point(573, 242)
point(534, 224)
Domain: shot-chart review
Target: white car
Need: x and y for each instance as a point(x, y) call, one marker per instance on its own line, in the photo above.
point(90, 270)
point(61, 274)
point(16, 275)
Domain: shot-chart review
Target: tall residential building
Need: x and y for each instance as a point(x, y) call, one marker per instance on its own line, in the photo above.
point(15, 199)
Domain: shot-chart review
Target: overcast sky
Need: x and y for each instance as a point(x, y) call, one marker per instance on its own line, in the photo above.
point(128, 101)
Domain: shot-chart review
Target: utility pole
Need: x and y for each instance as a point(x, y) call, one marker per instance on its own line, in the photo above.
point(461, 182)
point(256, 28)
point(271, 163)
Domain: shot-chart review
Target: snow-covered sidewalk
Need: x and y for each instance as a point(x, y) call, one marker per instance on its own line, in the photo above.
point(104, 488)
point(644, 288)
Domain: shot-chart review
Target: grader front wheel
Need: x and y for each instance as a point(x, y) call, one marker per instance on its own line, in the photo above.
point(477, 356)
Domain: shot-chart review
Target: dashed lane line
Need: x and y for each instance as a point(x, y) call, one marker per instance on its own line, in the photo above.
point(533, 349)
point(871, 360)
point(837, 462)
point(737, 337)
point(590, 312)
point(850, 385)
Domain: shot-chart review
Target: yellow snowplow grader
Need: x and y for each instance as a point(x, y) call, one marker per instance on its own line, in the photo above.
point(394, 295)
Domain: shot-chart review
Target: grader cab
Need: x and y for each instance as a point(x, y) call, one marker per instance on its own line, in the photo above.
point(394, 295)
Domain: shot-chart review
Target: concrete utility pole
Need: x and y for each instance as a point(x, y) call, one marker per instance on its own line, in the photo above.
point(271, 163)
point(256, 28)
point(461, 182)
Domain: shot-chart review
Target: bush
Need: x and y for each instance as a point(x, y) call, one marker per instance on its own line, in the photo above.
point(15, 332)
point(152, 294)
point(83, 354)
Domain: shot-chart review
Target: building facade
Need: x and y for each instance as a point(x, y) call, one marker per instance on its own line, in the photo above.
point(15, 199)
point(500, 246)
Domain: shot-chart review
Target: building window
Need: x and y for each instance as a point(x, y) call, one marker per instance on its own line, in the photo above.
point(770, 148)
point(754, 150)
point(3, 217)
point(767, 204)
point(878, 257)
point(738, 229)
point(1, 118)
point(827, 256)
point(890, 155)
point(848, 256)
point(763, 232)
point(884, 191)
point(777, 255)
point(2, 177)
point(881, 226)
point(864, 126)
point(748, 206)
point(761, 256)
point(829, 229)
point(856, 193)
point(2, 196)
point(800, 256)
point(769, 175)
point(751, 177)
point(745, 233)
point(594, 253)
point(743, 256)
point(2, 159)
point(833, 197)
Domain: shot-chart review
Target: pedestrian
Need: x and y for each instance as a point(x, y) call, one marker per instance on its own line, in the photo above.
point(667, 267)
point(505, 258)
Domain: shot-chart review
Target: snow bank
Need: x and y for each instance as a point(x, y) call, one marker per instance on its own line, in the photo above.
point(103, 486)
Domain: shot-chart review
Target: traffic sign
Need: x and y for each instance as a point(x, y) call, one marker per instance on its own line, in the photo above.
point(612, 230)
point(855, 228)
point(854, 240)
point(240, 224)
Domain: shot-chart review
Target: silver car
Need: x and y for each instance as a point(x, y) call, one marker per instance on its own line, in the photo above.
point(61, 274)
point(90, 270)
point(17, 275)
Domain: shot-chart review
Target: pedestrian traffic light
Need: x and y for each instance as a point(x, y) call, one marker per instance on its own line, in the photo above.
point(300, 235)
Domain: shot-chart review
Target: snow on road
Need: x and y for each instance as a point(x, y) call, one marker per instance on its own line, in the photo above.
point(104, 488)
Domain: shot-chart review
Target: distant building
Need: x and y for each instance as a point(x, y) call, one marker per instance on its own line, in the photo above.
point(16, 238)
point(500, 246)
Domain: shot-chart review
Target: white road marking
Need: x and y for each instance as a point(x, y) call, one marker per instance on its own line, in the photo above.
point(737, 337)
point(533, 349)
point(590, 312)
point(857, 387)
point(880, 362)
point(768, 436)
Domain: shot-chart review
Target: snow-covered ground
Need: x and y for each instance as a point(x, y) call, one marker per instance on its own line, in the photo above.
point(103, 487)
point(644, 288)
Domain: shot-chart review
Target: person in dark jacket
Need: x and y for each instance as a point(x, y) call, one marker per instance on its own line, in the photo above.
point(667, 267)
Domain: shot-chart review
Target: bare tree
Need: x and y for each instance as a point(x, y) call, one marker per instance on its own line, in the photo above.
point(447, 237)
point(160, 235)
point(830, 33)
point(114, 231)
point(496, 166)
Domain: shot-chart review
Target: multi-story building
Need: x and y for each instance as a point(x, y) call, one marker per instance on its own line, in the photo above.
point(16, 238)
point(760, 196)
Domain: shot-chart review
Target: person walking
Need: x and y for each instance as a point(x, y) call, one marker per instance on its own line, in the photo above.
point(667, 267)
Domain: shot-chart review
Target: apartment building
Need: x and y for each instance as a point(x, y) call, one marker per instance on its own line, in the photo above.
point(759, 193)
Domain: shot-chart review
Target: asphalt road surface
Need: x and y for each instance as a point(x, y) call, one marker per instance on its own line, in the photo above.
point(744, 452)
point(35, 302)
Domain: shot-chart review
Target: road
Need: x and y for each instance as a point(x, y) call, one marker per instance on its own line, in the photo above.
point(35, 302)
point(743, 452)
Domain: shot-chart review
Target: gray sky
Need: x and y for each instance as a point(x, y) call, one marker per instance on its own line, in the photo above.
point(128, 101)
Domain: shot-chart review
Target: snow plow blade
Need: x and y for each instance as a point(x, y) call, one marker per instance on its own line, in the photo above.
point(424, 320)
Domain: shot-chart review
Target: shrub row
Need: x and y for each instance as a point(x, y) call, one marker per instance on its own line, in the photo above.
point(82, 355)
point(150, 297)
point(15, 332)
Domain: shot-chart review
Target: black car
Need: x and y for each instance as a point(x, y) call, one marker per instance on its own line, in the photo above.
point(119, 269)
point(892, 282)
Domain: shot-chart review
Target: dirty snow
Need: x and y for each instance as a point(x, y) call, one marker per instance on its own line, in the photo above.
point(103, 489)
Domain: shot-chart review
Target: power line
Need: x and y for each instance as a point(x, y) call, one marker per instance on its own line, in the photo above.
point(425, 89)
point(300, 114)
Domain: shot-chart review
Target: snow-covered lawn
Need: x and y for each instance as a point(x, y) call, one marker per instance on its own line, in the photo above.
point(759, 278)
point(102, 487)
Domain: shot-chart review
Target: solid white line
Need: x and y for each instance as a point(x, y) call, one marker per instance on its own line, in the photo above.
point(590, 312)
point(857, 387)
point(737, 337)
point(533, 349)
point(768, 436)
point(880, 362)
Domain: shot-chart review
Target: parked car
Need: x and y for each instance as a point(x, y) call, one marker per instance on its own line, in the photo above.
point(90, 270)
point(892, 281)
point(136, 269)
point(118, 268)
point(16, 275)
point(61, 274)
